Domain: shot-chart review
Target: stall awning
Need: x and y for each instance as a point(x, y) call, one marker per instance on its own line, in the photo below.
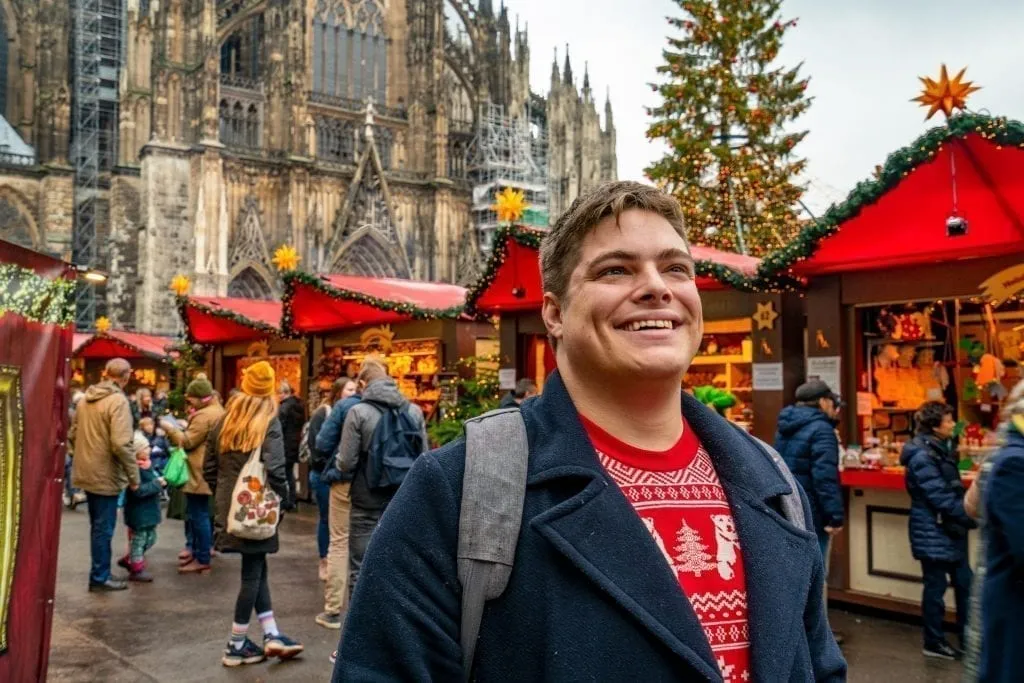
point(511, 279)
point(973, 168)
point(315, 304)
point(223, 320)
point(121, 344)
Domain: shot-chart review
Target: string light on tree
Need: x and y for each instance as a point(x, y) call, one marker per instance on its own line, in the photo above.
point(726, 115)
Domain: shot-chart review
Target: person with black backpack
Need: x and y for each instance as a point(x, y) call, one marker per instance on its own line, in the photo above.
point(382, 436)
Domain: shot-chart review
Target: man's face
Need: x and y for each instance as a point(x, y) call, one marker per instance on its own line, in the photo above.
point(946, 428)
point(632, 309)
point(828, 406)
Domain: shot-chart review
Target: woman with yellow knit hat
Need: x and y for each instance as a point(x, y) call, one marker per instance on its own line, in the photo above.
point(249, 423)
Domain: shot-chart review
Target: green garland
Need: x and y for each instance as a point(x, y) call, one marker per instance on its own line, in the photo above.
point(297, 278)
point(184, 303)
point(526, 237)
point(36, 298)
point(998, 130)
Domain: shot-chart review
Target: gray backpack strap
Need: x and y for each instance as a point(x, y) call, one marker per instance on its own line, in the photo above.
point(493, 489)
point(792, 504)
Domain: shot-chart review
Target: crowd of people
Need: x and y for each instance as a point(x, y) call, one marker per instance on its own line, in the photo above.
point(583, 534)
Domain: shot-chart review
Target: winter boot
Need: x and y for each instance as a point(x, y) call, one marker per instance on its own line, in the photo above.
point(125, 563)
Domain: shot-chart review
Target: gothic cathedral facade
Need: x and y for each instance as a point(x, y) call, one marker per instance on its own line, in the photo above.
point(345, 128)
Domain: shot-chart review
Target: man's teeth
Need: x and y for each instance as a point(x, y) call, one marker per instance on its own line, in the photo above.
point(649, 324)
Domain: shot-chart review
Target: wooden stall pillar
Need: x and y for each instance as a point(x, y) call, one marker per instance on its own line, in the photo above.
point(508, 335)
point(778, 368)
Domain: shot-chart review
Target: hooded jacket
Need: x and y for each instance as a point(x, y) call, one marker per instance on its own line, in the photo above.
point(293, 416)
point(590, 597)
point(936, 500)
point(806, 440)
point(357, 435)
point(101, 438)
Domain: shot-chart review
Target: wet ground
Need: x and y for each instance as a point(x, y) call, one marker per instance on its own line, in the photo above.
point(174, 629)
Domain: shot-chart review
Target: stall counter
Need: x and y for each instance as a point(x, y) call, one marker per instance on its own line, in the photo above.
point(881, 566)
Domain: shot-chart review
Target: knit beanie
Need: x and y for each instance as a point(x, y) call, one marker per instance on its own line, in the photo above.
point(139, 442)
point(258, 380)
point(199, 388)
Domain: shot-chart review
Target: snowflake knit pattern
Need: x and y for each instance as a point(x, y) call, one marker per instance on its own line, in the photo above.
point(678, 496)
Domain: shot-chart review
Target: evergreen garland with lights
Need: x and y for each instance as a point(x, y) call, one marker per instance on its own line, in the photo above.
point(998, 130)
point(477, 394)
point(295, 278)
point(726, 117)
point(184, 303)
point(36, 298)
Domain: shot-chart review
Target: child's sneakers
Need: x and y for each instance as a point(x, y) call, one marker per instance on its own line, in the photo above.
point(281, 646)
point(138, 573)
point(246, 653)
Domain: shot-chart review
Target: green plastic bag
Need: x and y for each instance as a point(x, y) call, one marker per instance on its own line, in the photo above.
point(176, 472)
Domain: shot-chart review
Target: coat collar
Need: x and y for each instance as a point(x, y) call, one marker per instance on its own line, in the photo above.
point(597, 530)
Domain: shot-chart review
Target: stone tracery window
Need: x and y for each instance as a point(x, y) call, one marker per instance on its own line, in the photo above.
point(248, 284)
point(241, 55)
point(350, 50)
point(16, 227)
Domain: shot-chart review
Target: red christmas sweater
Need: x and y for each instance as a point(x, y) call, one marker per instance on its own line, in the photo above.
point(678, 496)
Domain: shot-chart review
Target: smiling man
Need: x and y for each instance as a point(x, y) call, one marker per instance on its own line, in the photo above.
point(653, 543)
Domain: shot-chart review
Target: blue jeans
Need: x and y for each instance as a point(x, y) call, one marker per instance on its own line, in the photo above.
point(102, 520)
point(68, 488)
point(823, 539)
point(322, 495)
point(198, 507)
point(933, 607)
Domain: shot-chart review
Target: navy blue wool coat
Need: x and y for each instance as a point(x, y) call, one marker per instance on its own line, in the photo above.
point(1002, 657)
point(936, 501)
point(806, 440)
point(591, 597)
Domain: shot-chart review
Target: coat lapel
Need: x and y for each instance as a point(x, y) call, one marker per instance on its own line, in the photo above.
point(778, 559)
point(597, 530)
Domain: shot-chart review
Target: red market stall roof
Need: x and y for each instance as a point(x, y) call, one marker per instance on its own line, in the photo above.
point(121, 344)
point(899, 218)
point(511, 280)
point(316, 304)
point(222, 320)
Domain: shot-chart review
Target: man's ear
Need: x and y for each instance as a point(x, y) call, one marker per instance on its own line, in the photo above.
point(551, 313)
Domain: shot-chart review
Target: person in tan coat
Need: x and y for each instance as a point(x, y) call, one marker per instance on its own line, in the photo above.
point(104, 463)
point(208, 412)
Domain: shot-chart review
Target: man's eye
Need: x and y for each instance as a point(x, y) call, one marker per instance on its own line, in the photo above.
point(614, 270)
point(680, 268)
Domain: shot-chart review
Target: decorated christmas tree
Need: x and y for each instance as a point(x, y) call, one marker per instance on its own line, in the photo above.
point(692, 555)
point(726, 116)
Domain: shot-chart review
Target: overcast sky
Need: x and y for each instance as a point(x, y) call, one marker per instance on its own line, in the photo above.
point(863, 58)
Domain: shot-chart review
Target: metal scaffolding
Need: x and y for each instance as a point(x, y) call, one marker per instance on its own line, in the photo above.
point(510, 151)
point(98, 27)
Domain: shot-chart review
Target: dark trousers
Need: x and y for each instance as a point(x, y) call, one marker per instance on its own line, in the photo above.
point(322, 496)
point(198, 510)
point(289, 473)
point(361, 527)
point(254, 592)
point(102, 520)
point(933, 608)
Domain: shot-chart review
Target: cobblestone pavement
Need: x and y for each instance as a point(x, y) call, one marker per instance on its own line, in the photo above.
point(174, 629)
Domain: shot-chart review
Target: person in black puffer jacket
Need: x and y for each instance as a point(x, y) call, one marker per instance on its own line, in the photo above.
point(806, 439)
point(938, 523)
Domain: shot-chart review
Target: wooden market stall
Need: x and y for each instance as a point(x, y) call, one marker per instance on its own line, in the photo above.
point(238, 332)
point(417, 328)
point(510, 289)
point(915, 294)
point(150, 356)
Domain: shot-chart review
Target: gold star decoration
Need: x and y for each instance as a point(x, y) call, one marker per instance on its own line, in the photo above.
point(765, 316)
point(945, 94)
point(102, 324)
point(286, 258)
point(510, 205)
point(180, 285)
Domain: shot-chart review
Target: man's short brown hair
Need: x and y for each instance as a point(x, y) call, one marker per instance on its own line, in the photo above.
point(560, 250)
point(117, 368)
point(372, 370)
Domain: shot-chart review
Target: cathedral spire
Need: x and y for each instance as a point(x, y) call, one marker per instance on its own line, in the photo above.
point(586, 76)
point(486, 9)
point(608, 109)
point(554, 70)
point(567, 75)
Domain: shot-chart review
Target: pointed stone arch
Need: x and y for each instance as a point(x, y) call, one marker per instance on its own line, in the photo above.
point(252, 282)
point(249, 253)
point(366, 240)
point(17, 222)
